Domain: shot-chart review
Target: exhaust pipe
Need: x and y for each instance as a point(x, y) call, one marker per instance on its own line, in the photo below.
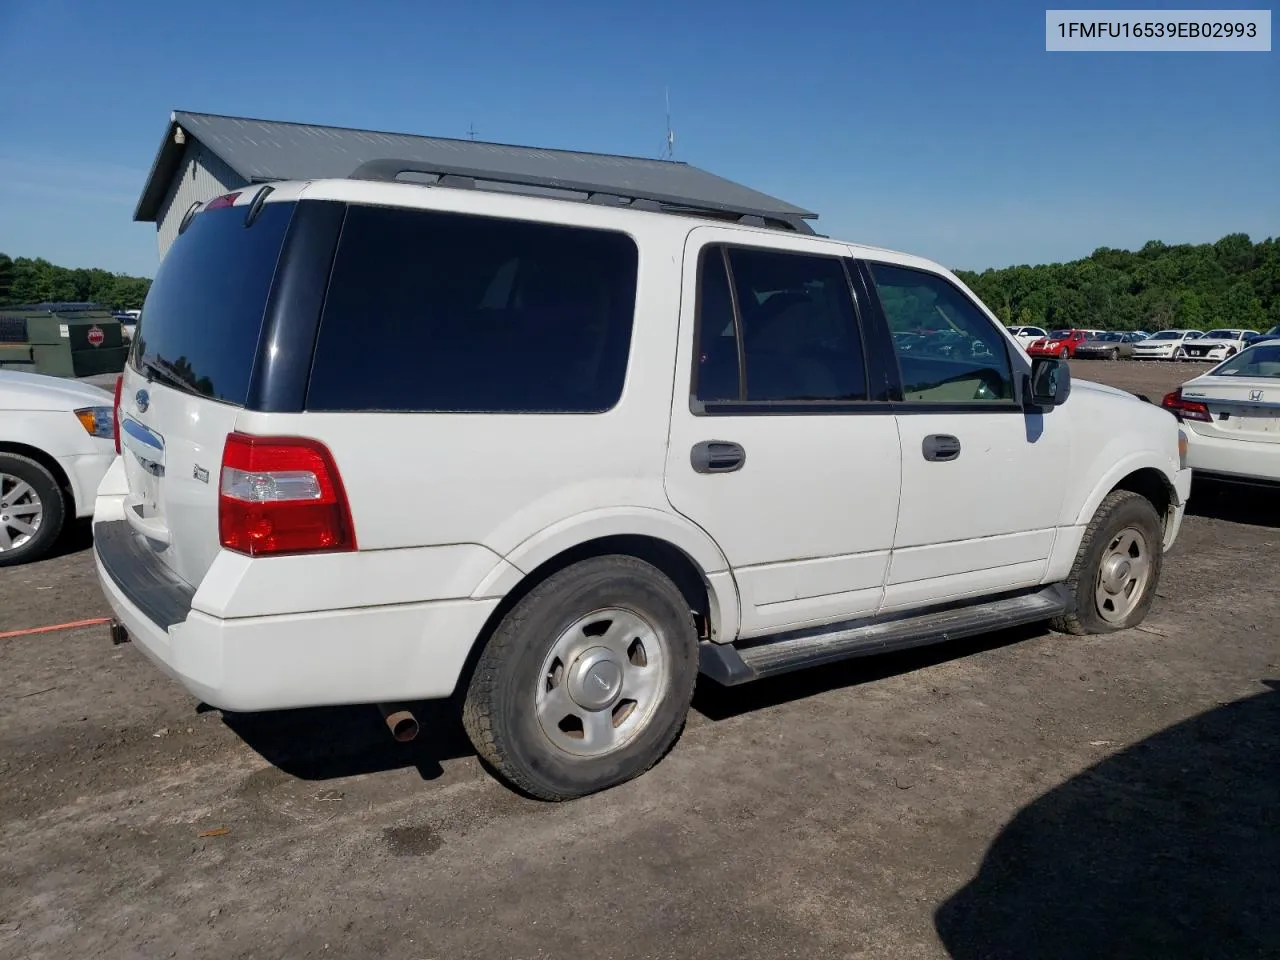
point(400, 721)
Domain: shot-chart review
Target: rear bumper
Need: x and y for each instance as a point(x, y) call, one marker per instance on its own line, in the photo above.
point(1236, 459)
point(376, 654)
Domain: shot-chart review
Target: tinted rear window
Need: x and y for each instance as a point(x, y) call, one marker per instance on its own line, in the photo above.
point(203, 315)
point(444, 312)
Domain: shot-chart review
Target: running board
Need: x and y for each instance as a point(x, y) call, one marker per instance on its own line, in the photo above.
point(731, 664)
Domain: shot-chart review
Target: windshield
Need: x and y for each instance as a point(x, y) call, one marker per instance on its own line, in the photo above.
point(1059, 334)
point(1166, 335)
point(1222, 335)
point(1262, 361)
point(1273, 332)
point(1109, 337)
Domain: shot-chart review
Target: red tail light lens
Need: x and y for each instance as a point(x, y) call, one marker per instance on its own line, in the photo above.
point(1185, 409)
point(281, 495)
point(115, 411)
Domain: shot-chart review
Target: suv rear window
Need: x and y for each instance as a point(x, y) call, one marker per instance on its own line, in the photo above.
point(443, 312)
point(202, 318)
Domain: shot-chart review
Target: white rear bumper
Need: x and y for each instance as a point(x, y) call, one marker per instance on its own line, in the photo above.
point(1242, 459)
point(368, 655)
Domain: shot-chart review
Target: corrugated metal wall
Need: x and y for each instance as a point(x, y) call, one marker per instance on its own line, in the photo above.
point(203, 177)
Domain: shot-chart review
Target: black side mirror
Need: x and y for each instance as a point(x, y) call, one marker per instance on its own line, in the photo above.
point(1050, 382)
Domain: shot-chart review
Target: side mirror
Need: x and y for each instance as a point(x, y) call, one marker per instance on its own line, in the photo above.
point(1050, 382)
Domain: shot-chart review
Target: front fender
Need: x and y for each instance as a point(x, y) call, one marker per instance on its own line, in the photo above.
point(1125, 465)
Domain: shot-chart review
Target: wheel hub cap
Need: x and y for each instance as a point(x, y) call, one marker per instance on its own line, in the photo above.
point(601, 682)
point(1123, 576)
point(595, 679)
point(1115, 574)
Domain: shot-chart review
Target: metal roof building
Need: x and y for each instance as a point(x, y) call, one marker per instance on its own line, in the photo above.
point(205, 155)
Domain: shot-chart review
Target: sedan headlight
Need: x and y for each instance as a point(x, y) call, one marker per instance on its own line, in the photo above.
point(97, 421)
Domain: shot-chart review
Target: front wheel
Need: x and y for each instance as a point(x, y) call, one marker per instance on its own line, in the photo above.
point(1117, 568)
point(31, 510)
point(586, 682)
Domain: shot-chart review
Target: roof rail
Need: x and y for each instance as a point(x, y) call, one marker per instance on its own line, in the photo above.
point(618, 194)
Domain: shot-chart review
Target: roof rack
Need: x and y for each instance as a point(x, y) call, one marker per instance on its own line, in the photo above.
point(618, 194)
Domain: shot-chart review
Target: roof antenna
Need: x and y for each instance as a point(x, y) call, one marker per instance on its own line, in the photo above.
point(471, 131)
point(669, 149)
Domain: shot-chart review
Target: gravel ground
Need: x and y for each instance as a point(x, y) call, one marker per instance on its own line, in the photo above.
point(1023, 795)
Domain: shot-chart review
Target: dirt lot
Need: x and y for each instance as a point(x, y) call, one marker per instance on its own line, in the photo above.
point(1021, 796)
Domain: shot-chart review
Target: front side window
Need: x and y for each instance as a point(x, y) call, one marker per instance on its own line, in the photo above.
point(444, 312)
point(776, 326)
point(948, 350)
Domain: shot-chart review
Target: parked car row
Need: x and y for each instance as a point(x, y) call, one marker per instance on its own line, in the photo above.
point(1173, 344)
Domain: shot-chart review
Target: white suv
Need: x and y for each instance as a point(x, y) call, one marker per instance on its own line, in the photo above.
point(386, 442)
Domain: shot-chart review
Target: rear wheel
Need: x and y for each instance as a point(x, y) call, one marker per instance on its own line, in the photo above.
point(586, 682)
point(1117, 568)
point(31, 510)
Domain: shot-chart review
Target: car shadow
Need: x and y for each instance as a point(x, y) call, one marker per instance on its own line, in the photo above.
point(1235, 503)
point(716, 702)
point(75, 537)
point(1168, 849)
point(325, 743)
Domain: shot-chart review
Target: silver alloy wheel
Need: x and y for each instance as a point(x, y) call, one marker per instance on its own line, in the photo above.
point(602, 681)
point(1123, 575)
point(20, 512)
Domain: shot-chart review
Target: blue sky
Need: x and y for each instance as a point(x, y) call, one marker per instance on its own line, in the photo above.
point(944, 129)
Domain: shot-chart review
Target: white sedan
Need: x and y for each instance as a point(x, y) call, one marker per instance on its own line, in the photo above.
point(1232, 415)
point(1027, 335)
point(1217, 345)
point(57, 439)
point(1165, 345)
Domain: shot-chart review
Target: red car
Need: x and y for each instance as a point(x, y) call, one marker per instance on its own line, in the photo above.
point(1060, 343)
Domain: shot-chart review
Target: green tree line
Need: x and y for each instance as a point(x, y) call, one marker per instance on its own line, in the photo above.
point(1231, 283)
point(24, 280)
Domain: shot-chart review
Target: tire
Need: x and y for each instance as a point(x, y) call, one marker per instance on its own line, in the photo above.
point(39, 505)
point(524, 714)
point(1101, 552)
point(1114, 356)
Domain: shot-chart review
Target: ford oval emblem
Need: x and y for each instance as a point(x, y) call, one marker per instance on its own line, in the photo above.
point(143, 400)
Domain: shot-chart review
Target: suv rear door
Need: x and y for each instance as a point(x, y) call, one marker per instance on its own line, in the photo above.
point(188, 376)
point(779, 447)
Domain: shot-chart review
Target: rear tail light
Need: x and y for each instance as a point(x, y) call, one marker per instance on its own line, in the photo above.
point(1185, 409)
point(115, 411)
point(280, 495)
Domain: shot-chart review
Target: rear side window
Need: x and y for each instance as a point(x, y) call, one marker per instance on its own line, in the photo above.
point(202, 318)
point(441, 312)
point(776, 326)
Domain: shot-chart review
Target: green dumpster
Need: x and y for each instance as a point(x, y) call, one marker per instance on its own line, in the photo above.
point(61, 339)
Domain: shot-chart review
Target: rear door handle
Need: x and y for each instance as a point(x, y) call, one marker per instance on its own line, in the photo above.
point(717, 456)
point(940, 447)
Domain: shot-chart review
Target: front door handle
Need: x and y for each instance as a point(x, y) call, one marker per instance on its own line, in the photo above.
point(940, 447)
point(717, 456)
